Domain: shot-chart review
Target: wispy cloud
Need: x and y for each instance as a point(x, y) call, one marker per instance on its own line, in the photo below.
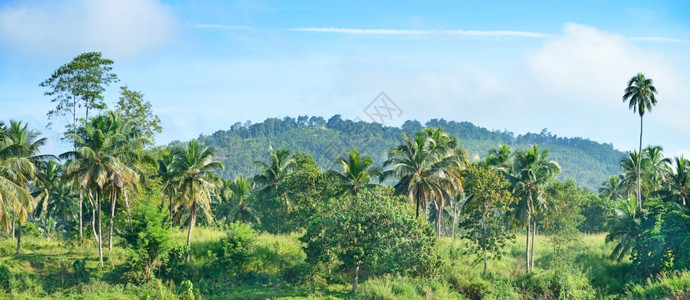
point(219, 26)
point(656, 39)
point(406, 32)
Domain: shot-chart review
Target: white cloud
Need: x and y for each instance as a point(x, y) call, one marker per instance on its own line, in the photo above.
point(405, 32)
point(120, 28)
point(656, 39)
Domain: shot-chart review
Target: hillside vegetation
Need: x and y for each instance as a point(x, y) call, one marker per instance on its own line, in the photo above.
point(588, 162)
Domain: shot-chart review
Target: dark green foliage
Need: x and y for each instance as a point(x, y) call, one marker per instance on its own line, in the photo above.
point(149, 237)
point(79, 271)
point(5, 278)
point(372, 232)
point(30, 229)
point(588, 162)
point(597, 212)
point(235, 251)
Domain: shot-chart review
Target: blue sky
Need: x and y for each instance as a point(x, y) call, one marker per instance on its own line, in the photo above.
point(521, 66)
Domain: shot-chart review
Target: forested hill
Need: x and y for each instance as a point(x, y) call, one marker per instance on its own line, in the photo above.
point(588, 162)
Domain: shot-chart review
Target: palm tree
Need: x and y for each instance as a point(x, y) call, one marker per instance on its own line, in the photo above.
point(357, 172)
point(659, 166)
point(20, 148)
point(629, 177)
point(280, 164)
point(101, 166)
point(62, 203)
point(531, 172)
point(678, 183)
point(237, 204)
point(611, 188)
point(168, 178)
point(197, 178)
point(640, 95)
point(625, 229)
point(47, 179)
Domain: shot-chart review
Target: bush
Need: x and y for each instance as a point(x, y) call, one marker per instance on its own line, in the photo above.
point(235, 251)
point(5, 278)
point(149, 237)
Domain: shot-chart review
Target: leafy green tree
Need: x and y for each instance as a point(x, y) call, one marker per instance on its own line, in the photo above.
point(488, 201)
point(133, 107)
point(148, 235)
point(640, 95)
point(374, 232)
point(79, 84)
point(357, 172)
point(235, 251)
point(562, 219)
point(196, 177)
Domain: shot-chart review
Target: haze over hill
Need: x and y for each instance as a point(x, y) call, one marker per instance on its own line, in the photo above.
point(588, 162)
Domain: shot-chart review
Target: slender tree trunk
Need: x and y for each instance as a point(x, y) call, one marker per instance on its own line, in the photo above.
point(484, 208)
point(192, 220)
point(113, 202)
point(419, 199)
point(355, 280)
point(93, 216)
point(19, 239)
point(639, 165)
point(12, 227)
point(170, 199)
point(455, 218)
point(81, 215)
point(438, 219)
point(529, 222)
point(100, 228)
point(534, 233)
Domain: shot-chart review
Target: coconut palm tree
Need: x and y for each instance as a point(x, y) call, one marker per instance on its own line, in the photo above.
point(47, 179)
point(19, 148)
point(640, 95)
point(611, 188)
point(625, 229)
point(168, 178)
point(531, 172)
point(629, 177)
point(237, 205)
point(197, 178)
point(280, 164)
point(659, 166)
point(101, 166)
point(677, 188)
point(357, 172)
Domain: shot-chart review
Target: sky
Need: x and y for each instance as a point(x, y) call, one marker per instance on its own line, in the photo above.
point(516, 65)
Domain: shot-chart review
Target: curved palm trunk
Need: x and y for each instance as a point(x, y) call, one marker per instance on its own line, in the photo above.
point(81, 216)
point(192, 220)
point(639, 165)
point(438, 208)
point(170, 210)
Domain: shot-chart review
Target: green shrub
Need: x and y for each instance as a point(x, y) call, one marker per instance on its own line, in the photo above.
point(148, 235)
point(5, 278)
point(30, 229)
point(235, 251)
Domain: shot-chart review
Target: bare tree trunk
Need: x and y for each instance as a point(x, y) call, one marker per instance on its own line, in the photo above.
point(170, 206)
point(438, 218)
point(639, 163)
point(192, 220)
point(529, 222)
point(356, 278)
point(93, 216)
point(534, 233)
point(81, 215)
point(455, 218)
point(19, 239)
point(484, 208)
point(100, 228)
point(113, 202)
point(12, 227)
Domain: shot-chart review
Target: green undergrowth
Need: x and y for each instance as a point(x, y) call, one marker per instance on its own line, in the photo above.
point(56, 269)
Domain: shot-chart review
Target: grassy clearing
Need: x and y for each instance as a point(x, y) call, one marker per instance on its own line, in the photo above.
point(49, 269)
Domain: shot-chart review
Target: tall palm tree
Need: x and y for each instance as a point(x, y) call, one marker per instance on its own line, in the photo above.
point(625, 229)
point(101, 166)
point(280, 164)
point(531, 172)
point(640, 95)
point(197, 178)
point(47, 179)
point(357, 172)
